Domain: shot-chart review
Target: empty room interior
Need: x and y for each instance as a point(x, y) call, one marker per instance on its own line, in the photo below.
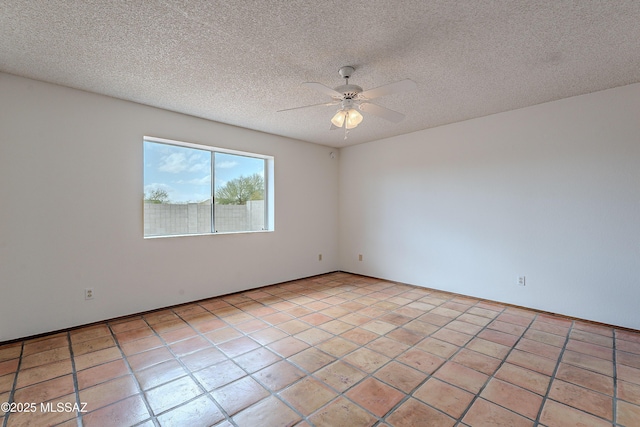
point(414, 213)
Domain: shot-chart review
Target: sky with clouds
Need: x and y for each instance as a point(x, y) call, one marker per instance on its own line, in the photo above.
point(185, 173)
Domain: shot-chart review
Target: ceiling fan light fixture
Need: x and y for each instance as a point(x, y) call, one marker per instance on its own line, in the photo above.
point(354, 118)
point(349, 118)
point(338, 119)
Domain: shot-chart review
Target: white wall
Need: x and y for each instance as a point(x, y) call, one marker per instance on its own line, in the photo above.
point(68, 157)
point(551, 192)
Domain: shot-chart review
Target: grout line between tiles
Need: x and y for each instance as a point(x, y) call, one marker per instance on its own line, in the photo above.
point(340, 358)
point(189, 374)
point(131, 372)
point(409, 394)
point(492, 376)
point(275, 393)
point(614, 403)
point(12, 392)
point(587, 369)
point(264, 346)
point(75, 380)
point(312, 374)
point(337, 358)
point(504, 360)
point(553, 374)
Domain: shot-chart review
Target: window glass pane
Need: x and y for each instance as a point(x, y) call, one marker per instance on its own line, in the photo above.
point(180, 197)
point(239, 198)
point(177, 190)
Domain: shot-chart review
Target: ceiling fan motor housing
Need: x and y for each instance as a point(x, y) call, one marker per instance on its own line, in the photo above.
point(349, 91)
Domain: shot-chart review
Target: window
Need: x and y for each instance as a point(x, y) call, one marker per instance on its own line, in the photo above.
point(196, 189)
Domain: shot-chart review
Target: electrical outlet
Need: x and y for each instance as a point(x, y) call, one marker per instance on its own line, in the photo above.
point(319, 257)
point(522, 281)
point(88, 293)
point(360, 257)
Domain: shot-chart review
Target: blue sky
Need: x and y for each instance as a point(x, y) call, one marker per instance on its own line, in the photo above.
point(185, 173)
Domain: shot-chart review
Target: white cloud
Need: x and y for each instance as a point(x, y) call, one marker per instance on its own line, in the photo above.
point(196, 181)
point(199, 162)
point(173, 163)
point(199, 167)
point(179, 162)
point(227, 164)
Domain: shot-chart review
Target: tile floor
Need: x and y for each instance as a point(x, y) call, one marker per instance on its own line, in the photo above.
point(333, 350)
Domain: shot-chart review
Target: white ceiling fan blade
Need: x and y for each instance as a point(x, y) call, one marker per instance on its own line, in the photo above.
point(326, 104)
point(382, 112)
point(401, 86)
point(323, 89)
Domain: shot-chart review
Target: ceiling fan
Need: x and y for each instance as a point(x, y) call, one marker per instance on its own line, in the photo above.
point(352, 98)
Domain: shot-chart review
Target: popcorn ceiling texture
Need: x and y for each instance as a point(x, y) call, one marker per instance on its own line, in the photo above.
point(238, 62)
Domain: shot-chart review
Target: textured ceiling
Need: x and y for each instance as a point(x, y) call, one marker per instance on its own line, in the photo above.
point(238, 62)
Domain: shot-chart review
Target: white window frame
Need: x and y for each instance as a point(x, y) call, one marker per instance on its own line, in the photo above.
point(269, 219)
